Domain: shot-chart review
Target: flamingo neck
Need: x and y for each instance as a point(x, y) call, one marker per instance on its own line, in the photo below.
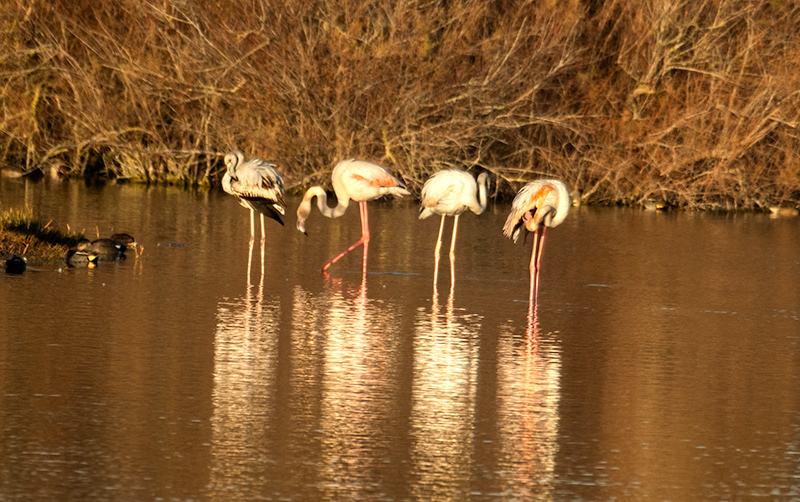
point(304, 211)
point(483, 188)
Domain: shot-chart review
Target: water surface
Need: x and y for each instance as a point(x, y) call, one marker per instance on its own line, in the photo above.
point(662, 364)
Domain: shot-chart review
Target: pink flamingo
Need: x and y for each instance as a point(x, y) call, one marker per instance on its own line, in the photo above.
point(449, 193)
point(360, 181)
point(538, 205)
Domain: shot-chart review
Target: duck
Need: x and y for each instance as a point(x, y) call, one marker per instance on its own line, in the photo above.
point(15, 264)
point(79, 257)
point(129, 241)
point(112, 248)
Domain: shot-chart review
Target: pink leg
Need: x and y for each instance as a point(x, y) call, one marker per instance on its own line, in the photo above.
point(436, 253)
point(363, 240)
point(362, 206)
point(453, 253)
point(539, 261)
point(534, 272)
point(536, 259)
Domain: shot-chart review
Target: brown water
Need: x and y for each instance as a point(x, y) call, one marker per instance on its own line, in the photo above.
point(663, 364)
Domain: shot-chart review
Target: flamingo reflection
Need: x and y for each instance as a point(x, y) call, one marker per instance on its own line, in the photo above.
point(357, 388)
point(245, 361)
point(444, 388)
point(528, 397)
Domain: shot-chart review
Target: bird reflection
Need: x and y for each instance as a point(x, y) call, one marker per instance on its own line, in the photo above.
point(527, 412)
point(245, 362)
point(357, 389)
point(533, 323)
point(443, 411)
point(435, 301)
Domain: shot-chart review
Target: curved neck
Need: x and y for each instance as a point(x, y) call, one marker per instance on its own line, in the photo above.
point(322, 203)
point(483, 188)
point(304, 210)
point(226, 183)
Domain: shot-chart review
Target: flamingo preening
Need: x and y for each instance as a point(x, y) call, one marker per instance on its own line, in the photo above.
point(538, 205)
point(257, 186)
point(450, 192)
point(356, 180)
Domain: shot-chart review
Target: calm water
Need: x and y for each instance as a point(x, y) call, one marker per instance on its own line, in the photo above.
point(663, 363)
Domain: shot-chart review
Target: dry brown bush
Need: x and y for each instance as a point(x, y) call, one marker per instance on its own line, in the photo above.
point(693, 102)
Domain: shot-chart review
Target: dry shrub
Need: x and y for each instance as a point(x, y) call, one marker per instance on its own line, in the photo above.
point(692, 102)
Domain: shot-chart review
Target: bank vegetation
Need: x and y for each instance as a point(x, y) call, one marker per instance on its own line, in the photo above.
point(692, 102)
point(23, 235)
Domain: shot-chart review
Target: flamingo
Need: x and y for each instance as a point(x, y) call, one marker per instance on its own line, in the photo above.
point(257, 186)
point(538, 205)
point(449, 193)
point(360, 181)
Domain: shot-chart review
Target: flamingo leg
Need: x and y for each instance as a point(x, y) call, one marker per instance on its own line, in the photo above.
point(252, 225)
point(262, 247)
point(249, 261)
point(533, 270)
point(539, 261)
point(536, 259)
point(263, 239)
point(263, 236)
point(453, 253)
point(436, 253)
point(362, 206)
point(363, 240)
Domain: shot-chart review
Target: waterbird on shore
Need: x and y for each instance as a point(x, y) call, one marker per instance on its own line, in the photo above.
point(538, 205)
point(257, 186)
point(360, 181)
point(450, 192)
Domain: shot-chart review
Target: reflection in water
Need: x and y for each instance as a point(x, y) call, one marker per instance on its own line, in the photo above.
point(443, 402)
point(357, 380)
point(528, 397)
point(670, 378)
point(245, 361)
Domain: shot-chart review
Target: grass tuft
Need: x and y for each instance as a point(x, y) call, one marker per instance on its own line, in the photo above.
point(22, 234)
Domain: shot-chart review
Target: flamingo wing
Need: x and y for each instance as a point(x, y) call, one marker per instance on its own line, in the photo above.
point(363, 181)
point(257, 186)
point(526, 208)
point(447, 192)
